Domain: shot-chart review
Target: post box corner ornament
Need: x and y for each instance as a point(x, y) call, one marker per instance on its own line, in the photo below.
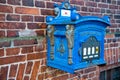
point(74, 41)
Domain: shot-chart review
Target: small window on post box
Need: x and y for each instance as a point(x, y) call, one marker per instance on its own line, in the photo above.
point(74, 41)
point(90, 49)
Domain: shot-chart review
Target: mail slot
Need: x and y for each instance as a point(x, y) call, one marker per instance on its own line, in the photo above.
point(74, 41)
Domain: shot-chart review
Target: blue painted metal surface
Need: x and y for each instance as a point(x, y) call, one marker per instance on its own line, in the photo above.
point(66, 34)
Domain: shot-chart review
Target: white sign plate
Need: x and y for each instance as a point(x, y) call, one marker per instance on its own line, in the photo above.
point(66, 13)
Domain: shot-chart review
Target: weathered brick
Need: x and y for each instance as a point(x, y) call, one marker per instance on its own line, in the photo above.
point(26, 78)
point(27, 18)
point(40, 4)
point(36, 56)
point(47, 12)
point(39, 18)
point(27, 49)
point(50, 5)
point(39, 47)
point(27, 2)
point(84, 8)
point(2, 1)
point(5, 44)
point(12, 59)
point(33, 26)
point(91, 4)
point(35, 70)
point(90, 69)
point(41, 77)
point(2, 34)
point(12, 33)
point(13, 70)
point(36, 26)
point(12, 51)
point(113, 7)
point(24, 42)
point(108, 1)
point(23, 10)
point(12, 17)
point(91, 9)
point(14, 2)
point(117, 16)
point(4, 73)
point(40, 32)
point(1, 52)
point(29, 68)
point(63, 77)
point(103, 5)
point(78, 2)
point(2, 17)
point(21, 72)
point(6, 9)
point(12, 25)
point(108, 36)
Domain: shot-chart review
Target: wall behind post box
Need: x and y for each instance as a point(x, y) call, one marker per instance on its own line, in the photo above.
point(23, 39)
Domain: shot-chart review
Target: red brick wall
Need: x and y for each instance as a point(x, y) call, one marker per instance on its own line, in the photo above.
point(25, 58)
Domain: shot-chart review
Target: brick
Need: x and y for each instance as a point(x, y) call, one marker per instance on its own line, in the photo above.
point(108, 36)
point(63, 77)
point(23, 10)
point(12, 25)
point(33, 26)
point(50, 5)
point(109, 1)
point(13, 70)
point(58, 0)
point(26, 78)
point(40, 32)
point(91, 75)
point(35, 70)
point(12, 33)
point(27, 18)
point(12, 17)
point(4, 73)
point(12, 51)
point(39, 47)
point(36, 56)
point(1, 52)
point(117, 16)
point(24, 42)
point(36, 26)
point(5, 44)
point(14, 2)
point(29, 67)
point(40, 4)
point(91, 9)
point(21, 72)
point(27, 50)
point(2, 34)
point(2, 1)
point(91, 4)
point(47, 12)
point(41, 77)
point(84, 8)
point(6, 9)
point(90, 69)
point(113, 7)
point(78, 2)
point(27, 3)
point(103, 5)
point(39, 19)
point(2, 17)
point(12, 59)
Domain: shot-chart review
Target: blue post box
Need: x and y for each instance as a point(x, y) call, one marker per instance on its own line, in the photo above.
point(74, 41)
